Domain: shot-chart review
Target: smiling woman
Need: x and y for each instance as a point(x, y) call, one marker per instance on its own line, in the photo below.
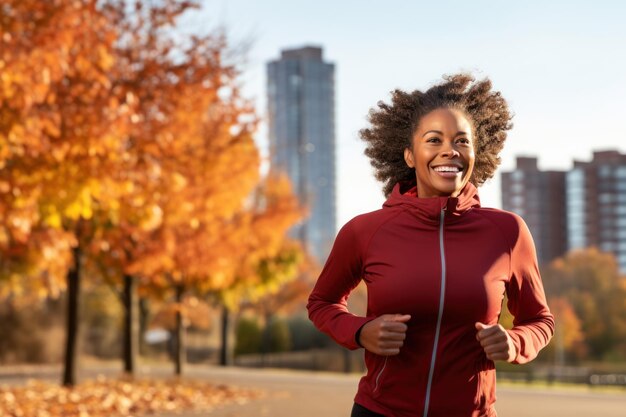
point(436, 264)
point(442, 153)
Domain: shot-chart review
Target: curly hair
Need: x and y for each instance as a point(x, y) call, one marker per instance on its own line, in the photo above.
point(392, 126)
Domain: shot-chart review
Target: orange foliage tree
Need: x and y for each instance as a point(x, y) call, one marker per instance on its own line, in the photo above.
point(61, 135)
point(589, 292)
point(568, 338)
point(127, 149)
point(270, 265)
point(187, 221)
point(189, 160)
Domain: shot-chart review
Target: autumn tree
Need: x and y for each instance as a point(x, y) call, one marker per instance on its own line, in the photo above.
point(126, 150)
point(123, 150)
point(269, 262)
point(205, 178)
point(568, 341)
point(245, 253)
point(61, 134)
point(588, 292)
point(189, 160)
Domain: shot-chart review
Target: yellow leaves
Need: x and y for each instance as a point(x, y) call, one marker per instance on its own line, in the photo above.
point(178, 181)
point(37, 268)
point(20, 227)
point(107, 397)
point(82, 206)
point(153, 219)
point(53, 219)
point(60, 152)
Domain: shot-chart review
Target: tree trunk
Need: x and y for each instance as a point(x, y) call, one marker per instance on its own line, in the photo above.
point(144, 311)
point(131, 324)
point(179, 345)
point(226, 358)
point(73, 291)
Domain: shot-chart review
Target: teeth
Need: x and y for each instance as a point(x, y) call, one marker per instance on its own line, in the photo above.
point(447, 169)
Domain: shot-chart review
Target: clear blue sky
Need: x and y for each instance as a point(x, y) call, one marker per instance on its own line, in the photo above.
point(560, 64)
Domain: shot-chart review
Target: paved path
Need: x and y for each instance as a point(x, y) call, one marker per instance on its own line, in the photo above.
point(304, 394)
point(307, 394)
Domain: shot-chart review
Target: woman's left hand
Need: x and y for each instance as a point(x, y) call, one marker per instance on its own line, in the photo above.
point(496, 342)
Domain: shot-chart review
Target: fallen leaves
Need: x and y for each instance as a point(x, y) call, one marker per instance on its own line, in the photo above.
point(118, 397)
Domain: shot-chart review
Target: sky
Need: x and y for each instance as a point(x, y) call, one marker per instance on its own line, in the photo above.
point(561, 65)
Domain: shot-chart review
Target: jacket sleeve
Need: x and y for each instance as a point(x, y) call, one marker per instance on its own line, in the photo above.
point(327, 305)
point(533, 323)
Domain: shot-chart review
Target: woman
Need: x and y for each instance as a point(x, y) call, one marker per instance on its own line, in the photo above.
point(436, 264)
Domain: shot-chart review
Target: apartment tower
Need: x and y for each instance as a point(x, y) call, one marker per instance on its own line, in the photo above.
point(539, 197)
point(301, 105)
point(579, 208)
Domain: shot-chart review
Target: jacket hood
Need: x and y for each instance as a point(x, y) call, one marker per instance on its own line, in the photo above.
point(429, 209)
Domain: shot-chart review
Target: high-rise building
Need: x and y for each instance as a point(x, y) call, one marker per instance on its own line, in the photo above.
point(596, 204)
point(539, 197)
point(583, 207)
point(301, 104)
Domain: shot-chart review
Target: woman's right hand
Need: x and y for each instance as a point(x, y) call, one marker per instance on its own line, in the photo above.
point(385, 334)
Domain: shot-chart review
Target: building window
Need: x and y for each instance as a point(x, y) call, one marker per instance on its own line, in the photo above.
point(604, 171)
point(620, 172)
point(607, 247)
point(517, 201)
point(295, 80)
point(606, 198)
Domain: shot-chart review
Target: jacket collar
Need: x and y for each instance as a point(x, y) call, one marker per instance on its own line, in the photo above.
point(429, 209)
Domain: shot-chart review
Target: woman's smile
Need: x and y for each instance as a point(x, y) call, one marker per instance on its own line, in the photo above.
point(448, 171)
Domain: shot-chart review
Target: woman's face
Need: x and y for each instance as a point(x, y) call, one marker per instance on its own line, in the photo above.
point(442, 154)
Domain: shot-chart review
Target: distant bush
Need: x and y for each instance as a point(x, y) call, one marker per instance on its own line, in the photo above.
point(33, 334)
point(305, 336)
point(248, 336)
point(36, 333)
point(280, 336)
point(101, 321)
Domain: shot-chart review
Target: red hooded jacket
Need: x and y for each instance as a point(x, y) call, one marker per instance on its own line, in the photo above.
point(448, 263)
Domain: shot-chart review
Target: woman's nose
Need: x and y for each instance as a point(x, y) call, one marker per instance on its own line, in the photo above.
point(450, 151)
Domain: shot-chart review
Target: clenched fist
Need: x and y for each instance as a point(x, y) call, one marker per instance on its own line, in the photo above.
point(496, 342)
point(385, 334)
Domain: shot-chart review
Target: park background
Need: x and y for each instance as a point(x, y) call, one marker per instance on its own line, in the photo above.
point(137, 227)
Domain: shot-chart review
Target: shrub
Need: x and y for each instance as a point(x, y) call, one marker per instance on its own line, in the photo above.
point(247, 336)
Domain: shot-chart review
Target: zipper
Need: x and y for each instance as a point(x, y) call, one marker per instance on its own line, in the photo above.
point(380, 373)
point(439, 315)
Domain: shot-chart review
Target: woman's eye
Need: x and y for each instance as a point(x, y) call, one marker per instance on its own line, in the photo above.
point(432, 140)
point(463, 140)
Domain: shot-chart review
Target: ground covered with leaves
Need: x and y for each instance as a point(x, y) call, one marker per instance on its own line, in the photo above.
point(117, 397)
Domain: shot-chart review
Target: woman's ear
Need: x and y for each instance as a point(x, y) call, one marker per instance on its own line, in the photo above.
point(408, 158)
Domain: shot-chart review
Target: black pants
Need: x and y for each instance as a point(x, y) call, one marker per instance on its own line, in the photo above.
point(360, 411)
